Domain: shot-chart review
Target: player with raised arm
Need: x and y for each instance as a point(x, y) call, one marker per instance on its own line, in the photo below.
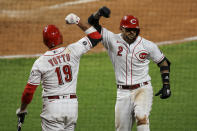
point(57, 71)
point(130, 55)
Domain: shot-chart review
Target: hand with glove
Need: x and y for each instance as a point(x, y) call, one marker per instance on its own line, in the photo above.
point(72, 19)
point(21, 117)
point(93, 19)
point(164, 92)
point(104, 11)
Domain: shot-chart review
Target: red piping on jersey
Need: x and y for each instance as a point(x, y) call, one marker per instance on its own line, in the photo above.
point(55, 48)
point(55, 54)
point(30, 83)
point(89, 42)
point(132, 57)
point(126, 65)
point(160, 59)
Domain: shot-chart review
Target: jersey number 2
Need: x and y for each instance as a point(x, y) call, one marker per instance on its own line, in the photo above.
point(120, 49)
point(67, 74)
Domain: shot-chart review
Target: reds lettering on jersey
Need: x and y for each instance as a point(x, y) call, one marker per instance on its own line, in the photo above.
point(59, 67)
point(130, 61)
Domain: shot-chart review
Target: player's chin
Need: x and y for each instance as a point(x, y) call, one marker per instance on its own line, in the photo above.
point(131, 37)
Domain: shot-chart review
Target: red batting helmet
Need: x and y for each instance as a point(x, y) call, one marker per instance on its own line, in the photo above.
point(52, 36)
point(129, 21)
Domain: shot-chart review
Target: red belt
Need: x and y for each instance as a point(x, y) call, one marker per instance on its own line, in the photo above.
point(64, 96)
point(132, 87)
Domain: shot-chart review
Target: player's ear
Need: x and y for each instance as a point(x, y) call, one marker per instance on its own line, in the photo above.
point(121, 29)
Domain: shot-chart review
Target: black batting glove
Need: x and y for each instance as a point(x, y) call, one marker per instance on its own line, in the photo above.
point(94, 18)
point(21, 116)
point(104, 11)
point(164, 92)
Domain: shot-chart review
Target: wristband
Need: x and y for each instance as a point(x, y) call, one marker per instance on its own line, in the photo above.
point(162, 68)
point(167, 86)
point(165, 77)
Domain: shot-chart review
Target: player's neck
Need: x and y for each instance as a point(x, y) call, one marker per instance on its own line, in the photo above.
point(58, 46)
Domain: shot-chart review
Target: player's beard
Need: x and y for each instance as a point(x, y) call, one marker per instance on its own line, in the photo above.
point(130, 38)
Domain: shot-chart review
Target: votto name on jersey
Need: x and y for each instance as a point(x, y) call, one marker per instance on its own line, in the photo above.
point(56, 60)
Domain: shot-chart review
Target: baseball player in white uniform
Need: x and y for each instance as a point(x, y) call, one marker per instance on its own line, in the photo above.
point(57, 70)
point(130, 55)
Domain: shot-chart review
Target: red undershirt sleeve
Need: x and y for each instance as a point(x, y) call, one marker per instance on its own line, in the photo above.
point(28, 93)
point(93, 35)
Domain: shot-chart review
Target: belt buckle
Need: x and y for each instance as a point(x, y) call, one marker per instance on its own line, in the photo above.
point(144, 83)
point(61, 97)
point(66, 96)
point(69, 96)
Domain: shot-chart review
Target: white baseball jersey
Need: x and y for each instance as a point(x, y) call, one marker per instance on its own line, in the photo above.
point(57, 69)
point(130, 61)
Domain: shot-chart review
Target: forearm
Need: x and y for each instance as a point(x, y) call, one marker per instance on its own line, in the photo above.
point(93, 35)
point(165, 91)
point(165, 72)
point(23, 106)
point(95, 17)
point(74, 19)
point(27, 96)
point(82, 25)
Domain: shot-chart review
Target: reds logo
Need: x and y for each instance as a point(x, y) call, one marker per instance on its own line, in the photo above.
point(133, 21)
point(141, 55)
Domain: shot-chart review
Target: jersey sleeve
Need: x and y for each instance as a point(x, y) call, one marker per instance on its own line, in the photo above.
point(81, 47)
point(35, 75)
point(154, 52)
point(106, 36)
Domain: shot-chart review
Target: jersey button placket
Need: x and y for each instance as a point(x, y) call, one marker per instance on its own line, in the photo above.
point(131, 58)
point(127, 50)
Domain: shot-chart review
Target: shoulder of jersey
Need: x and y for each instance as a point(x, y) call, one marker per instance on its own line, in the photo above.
point(146, 42)
point(104, 29)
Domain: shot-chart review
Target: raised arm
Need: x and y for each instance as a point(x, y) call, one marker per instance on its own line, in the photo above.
point(93, 35)
point(95, 17)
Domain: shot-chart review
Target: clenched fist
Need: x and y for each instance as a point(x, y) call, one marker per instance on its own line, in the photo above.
point(72, 19)
point(105, 12)
point(164, 92)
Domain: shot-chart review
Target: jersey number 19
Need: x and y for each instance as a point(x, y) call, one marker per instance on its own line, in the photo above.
point(67, 74)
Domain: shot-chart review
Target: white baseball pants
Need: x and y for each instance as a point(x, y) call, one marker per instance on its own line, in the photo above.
point(59, 114)
point(131, 104)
